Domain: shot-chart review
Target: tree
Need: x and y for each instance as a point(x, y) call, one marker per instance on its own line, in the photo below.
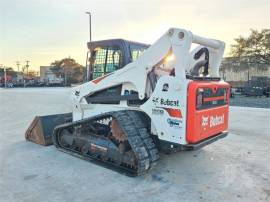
point(9, 71)
point(253, 49)
point(33, 73)
point(69, 69)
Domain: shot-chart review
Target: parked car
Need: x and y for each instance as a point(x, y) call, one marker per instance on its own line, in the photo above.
point(257, 86)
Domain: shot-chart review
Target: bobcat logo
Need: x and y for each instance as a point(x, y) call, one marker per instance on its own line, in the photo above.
point(155, 100)
point(214, 120)
point(205, 120)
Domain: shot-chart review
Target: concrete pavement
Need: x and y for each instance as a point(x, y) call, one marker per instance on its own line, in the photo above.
point(236, 168)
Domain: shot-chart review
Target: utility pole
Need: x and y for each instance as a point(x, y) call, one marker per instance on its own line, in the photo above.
point(27, 66)
point(18, 65)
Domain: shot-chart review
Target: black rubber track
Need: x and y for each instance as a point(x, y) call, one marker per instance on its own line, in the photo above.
point(141, 125)
point(134, 126)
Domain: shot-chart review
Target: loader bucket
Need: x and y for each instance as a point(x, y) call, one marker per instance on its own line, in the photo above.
point(41, 129)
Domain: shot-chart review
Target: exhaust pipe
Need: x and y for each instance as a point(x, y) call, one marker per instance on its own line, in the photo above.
point(41, 129)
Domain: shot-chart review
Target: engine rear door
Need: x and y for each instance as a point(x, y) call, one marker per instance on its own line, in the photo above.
point(208, 109)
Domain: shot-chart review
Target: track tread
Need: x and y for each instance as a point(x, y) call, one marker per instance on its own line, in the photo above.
point(134, 126)
point(146, 138)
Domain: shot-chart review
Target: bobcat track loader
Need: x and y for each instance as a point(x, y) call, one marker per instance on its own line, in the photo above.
point(169, 99)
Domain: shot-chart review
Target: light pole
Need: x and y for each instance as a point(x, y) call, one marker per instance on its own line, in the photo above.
point(90, 31)
point(88, 53)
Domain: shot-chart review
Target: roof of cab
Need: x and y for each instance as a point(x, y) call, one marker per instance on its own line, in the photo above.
point(94, 44)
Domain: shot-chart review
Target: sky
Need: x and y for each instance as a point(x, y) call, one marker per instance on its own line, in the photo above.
point(43, 31)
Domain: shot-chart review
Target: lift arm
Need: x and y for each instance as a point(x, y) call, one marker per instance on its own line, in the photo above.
point(178, 41)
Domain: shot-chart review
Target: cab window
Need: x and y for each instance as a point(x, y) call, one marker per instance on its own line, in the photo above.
point(106, 60)
point(136, 51)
